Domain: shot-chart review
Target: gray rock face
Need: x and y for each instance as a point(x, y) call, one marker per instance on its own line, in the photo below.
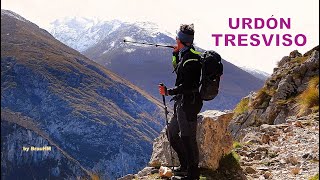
point(20, 156)
point(214, 141)
point(295, 54)
point(285, 88)
point(283, 61)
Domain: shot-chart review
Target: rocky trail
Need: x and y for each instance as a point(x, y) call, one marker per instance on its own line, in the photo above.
point(284, 151)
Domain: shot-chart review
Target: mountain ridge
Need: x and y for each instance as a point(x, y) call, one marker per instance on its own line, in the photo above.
point(147, 66)
point(257, 73)
point(91, 113)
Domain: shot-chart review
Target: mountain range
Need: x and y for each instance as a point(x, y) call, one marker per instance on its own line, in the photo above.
point(95, 122)
point(257, 73)
point(144, 66)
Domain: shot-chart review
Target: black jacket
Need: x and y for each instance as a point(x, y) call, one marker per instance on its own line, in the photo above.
point(187, 83)
point(188, 72)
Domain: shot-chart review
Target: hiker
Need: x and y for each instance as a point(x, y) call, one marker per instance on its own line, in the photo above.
point(187, 103)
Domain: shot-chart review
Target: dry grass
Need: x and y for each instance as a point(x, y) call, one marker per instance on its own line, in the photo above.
point(241, 107)
point(286, 101)
point(299, 59)
point(310, 97)
point(94, 177)
point(262, 98)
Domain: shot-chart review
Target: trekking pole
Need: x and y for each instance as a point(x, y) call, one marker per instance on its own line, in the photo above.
point(167, 124)
point(150, 44)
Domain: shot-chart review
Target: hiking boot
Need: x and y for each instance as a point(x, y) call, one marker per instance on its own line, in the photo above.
point(193, 173)
point(180, 171)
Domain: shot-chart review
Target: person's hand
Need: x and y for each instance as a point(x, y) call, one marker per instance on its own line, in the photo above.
point(163, 90)
point(175, 49)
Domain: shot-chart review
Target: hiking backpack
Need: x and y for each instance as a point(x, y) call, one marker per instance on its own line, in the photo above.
point(212, 69)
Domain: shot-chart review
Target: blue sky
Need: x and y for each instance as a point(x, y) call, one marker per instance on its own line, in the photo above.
point(208, 16)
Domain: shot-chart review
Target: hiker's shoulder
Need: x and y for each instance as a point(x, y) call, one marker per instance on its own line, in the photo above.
point(191, 54)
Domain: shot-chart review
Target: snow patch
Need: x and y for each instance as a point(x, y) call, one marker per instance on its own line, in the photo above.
point(127, 38)
point(105, 51)
point(129, 50)
point(153, 29)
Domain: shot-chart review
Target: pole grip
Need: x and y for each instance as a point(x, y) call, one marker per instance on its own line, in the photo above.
point(163, 97)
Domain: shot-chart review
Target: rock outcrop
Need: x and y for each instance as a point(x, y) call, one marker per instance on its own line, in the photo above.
point(276, 101)
point(278, 126)
point(214, 141)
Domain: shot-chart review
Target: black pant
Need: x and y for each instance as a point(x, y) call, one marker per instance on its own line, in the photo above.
point(185, 144)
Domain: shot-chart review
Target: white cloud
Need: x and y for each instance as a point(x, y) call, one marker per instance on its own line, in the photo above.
point(208, 16)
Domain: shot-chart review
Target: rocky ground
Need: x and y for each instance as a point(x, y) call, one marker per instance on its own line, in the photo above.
point(275, 131)
point(215, 146)
point(284, 151)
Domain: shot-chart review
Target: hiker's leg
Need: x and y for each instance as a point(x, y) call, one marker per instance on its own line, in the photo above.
point(193, 156)
point(176, 141)
point(188, 134)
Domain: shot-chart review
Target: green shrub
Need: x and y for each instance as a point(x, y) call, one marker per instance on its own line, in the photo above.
point(229, 168)
point(203, 178)
point(236, 145)
point(315, 177)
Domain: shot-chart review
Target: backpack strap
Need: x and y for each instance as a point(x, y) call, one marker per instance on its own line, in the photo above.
point(194, 52)
point(189, 61)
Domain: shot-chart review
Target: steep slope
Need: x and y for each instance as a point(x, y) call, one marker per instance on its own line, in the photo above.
point(292, 90)
point(277, 127)
point(18, 129)
point(147, 66)
point(80, 109)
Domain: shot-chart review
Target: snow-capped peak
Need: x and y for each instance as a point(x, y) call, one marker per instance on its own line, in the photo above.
point(81, 33)
point(153, 28)
point(75, 22)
